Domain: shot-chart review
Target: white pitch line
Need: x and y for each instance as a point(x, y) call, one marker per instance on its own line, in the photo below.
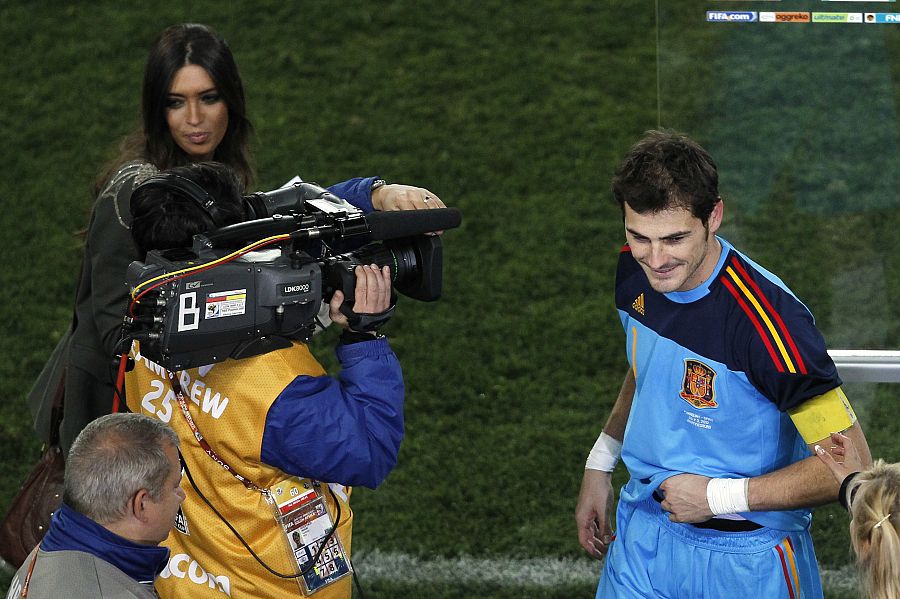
point(531, 572)
point(411, 570)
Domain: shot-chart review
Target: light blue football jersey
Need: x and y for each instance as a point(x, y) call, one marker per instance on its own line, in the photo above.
point(716, 369)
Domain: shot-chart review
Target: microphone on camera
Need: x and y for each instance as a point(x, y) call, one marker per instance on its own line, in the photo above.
point(409, 223)
point(377, 226)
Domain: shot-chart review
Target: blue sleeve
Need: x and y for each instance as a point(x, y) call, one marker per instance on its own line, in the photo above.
point(357, 191)
point(345, 431)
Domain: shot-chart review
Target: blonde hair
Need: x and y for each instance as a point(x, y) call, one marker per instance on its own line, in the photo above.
point(875, 518)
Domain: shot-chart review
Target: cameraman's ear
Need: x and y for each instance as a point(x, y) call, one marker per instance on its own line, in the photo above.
point(218, 217)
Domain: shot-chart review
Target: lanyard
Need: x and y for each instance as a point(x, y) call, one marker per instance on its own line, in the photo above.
point(204, 444)
point(25, 584)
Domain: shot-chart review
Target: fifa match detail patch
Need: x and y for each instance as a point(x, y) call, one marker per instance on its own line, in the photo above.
point(828, 413)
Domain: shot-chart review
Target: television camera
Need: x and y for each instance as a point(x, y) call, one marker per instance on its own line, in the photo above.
point(252, 287)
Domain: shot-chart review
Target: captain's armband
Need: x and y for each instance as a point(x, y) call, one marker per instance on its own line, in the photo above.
point(820, 416)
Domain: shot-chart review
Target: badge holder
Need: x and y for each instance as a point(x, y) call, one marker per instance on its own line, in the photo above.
point(301, 512)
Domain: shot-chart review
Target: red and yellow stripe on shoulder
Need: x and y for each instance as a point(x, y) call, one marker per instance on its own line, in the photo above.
point(766, 320)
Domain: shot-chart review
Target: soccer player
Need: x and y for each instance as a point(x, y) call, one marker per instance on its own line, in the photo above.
point(729, 389)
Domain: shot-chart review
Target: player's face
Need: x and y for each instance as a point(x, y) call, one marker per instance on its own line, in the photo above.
point(195, 112)
point(675, 250)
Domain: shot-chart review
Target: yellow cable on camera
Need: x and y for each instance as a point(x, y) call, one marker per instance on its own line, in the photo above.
point(205, 265)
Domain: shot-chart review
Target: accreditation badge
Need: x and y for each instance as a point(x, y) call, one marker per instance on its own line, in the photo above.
point(301, 512)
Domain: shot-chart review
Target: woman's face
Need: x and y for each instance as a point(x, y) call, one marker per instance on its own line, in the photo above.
point(195, 112)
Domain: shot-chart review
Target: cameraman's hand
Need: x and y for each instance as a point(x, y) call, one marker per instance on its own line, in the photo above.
point(404, 197)
point(373, 294)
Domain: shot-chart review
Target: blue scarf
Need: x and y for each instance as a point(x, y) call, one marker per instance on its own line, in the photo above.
point(72, 531)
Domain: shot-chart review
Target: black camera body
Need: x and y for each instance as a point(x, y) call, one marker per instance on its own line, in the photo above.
point(203, 305)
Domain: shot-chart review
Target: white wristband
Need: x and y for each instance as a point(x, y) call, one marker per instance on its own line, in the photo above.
point(727, 495)
point(604, 455)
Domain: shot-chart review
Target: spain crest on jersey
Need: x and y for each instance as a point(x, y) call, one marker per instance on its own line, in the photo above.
point(697, 387)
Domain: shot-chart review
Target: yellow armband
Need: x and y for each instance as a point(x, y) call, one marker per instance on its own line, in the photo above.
point(820, 416)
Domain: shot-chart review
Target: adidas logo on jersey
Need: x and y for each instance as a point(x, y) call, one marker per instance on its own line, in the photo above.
point(638, 304)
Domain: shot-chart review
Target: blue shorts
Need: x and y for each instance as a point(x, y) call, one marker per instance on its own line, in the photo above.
point(655, 557)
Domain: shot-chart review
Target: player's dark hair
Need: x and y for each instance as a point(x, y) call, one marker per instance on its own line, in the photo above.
point(666, 170)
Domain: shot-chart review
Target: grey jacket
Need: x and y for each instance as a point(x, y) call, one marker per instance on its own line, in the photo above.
point(76, 575)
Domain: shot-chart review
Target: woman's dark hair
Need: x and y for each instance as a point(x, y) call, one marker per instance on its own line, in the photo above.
point(667, 170)
point(167, 212)
point(176, 47)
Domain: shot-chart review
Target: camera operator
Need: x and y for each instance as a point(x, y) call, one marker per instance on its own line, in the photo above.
point(258, 430)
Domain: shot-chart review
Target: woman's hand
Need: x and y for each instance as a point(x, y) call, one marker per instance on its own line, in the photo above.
point(843, 447)
point(404, 197)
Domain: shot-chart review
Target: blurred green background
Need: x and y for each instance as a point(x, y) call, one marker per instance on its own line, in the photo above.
point(517, 114)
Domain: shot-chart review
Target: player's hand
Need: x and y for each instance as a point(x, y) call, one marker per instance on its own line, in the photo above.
point(372, 296)
point(594, 511)
point(685, 498)
point(844, 458)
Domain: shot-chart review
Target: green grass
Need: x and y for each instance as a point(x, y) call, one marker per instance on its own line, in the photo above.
point(516, 114)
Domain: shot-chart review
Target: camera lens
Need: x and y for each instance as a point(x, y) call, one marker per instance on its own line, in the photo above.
point(415, 265)
point(401, 260)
